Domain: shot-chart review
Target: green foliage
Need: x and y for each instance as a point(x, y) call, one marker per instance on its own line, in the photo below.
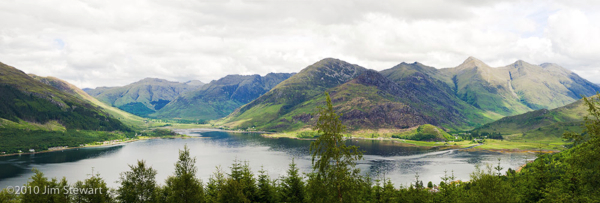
point(267, 190)
point(14, 140)
point(184, 186)
point(333, 162)
point(38, 187)
point(307, 134)
point(8, 197)
point(138, 185)
point(92, 190)
point(426, 132)
point(293, 186)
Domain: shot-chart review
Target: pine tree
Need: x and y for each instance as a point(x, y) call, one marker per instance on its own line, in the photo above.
point(184, 186)
point(292, 185)
point(266, 189)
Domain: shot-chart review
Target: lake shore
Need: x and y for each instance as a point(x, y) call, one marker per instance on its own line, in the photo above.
point(139, 138)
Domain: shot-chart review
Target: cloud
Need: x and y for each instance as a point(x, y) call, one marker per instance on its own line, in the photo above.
point(108, 43)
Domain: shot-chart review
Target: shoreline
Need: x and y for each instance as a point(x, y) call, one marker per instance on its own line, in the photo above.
point(88, 146)
point(471, 148)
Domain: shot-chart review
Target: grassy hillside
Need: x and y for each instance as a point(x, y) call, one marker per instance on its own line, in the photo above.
point(540, 123)
point(143, 97)
point(31, 110)
point(516, 88)
point(130, 120)
point(219, 98)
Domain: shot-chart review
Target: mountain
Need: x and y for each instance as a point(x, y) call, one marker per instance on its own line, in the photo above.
point(131, 120)
point(365, 98)
point(219, 98)
point(427, 85)
point(270, 111)
point(541, 123)
point(34, 115)
point(517, 88)
point(145, 96)
point(26, 99)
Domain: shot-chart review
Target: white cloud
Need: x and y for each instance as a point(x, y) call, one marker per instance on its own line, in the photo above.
point(106, 43)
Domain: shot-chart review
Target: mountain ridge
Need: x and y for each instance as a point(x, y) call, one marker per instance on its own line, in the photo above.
point(143, 97)
point(219, 98)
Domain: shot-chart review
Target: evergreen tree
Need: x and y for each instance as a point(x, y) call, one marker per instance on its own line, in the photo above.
point(333, 161)
point(138, 185)
point(184, 186)
point(215, 185)
point(292, 186)
point(266, 188)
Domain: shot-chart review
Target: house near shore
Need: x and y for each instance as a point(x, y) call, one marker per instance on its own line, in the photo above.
point(32, 150)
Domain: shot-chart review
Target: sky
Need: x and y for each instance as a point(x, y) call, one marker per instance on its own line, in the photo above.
point(93, 43)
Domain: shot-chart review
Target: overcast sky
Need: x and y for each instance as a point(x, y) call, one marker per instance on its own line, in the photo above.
point(94, 43)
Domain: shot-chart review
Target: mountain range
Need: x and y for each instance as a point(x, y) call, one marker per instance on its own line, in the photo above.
point(219, 98)
point(469, 96)
point(145, 96)
point(410, 95)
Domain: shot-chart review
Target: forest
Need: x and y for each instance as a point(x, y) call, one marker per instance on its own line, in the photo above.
point(568, 176)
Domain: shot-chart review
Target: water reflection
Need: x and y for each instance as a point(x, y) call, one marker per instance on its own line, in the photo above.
point(22, 164)
point(393, 159)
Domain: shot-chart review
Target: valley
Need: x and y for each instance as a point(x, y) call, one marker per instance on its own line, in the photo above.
point(397, 103)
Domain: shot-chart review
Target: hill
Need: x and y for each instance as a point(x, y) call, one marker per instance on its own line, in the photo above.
point(425, 132)
point(130, 120)
point(219, 98)
point(541, 123)
point(143, 97)
point(36, 115)
point(517, 88)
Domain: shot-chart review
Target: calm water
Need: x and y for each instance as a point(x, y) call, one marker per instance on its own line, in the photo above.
point(212, 149)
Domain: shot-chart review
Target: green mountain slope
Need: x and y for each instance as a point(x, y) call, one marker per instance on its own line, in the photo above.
point(365, 98)
point(434, 95)
point(540, 123)
point(143, 97)
point(34, 115)
point(269, 109)
point(219, 98)
point(130, 120)
point(516, 88)
point(24, 98)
